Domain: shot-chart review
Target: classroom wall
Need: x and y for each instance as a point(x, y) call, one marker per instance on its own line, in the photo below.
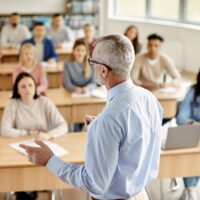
point(29, 6)
point(188, 40)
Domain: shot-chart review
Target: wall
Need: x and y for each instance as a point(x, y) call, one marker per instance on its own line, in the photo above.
point(189, 39)
point(30, 6)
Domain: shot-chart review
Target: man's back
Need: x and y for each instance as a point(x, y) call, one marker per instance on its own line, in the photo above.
point(124, 137)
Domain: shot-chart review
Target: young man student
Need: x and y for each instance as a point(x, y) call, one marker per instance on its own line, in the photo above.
point(150, 68)
point(45, 49)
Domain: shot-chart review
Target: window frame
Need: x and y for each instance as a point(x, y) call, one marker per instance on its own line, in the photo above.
point(182, 14)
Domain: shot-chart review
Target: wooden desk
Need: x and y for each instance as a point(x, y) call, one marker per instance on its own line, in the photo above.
point(11, 55)
point(54, 75)
point(16, 172)
point(72, 109)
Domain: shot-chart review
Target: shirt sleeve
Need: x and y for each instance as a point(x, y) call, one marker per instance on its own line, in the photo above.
point(58, 125)
point(8, 122)
point(135, 72)
point(185, 110)
point(172, 71)
point(67, 77)
point(100, 163)
point(43, 82)
point(53, 51)
point(16, 72)
point(27, 33)
point(4, 39)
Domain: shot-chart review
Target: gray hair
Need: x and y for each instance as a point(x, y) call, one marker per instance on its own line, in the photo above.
point(117, 52)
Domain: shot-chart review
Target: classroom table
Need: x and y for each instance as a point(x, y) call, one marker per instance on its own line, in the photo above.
point(54, 75)
point(18, 174)
point(73, 109)
point(11, 55)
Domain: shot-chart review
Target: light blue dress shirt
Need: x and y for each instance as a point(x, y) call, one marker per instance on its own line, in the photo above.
point(123, 146)
point(188, 110)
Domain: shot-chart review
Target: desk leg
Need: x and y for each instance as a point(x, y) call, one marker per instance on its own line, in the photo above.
point(53, 195)
point(161, 190)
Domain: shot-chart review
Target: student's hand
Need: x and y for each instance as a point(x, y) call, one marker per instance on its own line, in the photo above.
point(38, 155)
point(43, 136)
point(33, 132)
point(51, 61)
point(59, 45)
point(88, 119)
point(79, 90)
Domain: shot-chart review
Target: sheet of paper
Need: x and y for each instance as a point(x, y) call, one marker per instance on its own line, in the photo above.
point(169, 90)
point(57, 150)
point(99, 92)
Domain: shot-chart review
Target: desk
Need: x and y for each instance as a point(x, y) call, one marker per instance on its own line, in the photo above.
point(16, 172)
point(54, 75)
point(11, 55)
point(72, 109)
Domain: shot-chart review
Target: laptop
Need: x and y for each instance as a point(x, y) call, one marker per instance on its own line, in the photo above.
point(186, 136)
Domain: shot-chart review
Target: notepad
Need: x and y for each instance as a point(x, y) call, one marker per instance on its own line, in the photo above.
point(57, 150)
point(169, 90)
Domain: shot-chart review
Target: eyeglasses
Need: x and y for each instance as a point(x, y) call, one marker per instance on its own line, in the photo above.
point(92, 62)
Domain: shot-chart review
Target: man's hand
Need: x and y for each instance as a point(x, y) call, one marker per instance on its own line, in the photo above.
point(38, 155)
point(89, 119)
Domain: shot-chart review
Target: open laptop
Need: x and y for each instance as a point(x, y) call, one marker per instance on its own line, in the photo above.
point(186, 136)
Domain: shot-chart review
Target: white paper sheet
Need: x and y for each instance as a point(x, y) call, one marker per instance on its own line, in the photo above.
point(57, 150)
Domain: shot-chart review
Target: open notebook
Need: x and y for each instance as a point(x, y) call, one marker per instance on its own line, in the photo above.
point(57, 150)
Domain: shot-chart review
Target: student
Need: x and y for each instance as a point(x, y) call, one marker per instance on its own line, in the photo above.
point(60, 35)
point(89, 36)
point(150, 69)
point(78, 74)
point(27, 113)
point(189, 113)
point(132, 34)
point(28, 63)
point(123, 146)
point(14, 33)
point(44, 47)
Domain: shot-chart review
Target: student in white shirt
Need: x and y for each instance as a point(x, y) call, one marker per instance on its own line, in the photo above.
point(60, 34)
point(14, 33)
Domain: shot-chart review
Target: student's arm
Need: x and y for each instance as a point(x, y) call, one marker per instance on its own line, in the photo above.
point(58, 125)
point(67, 77)
point(4, 38)
point(172, 71)
point(16, 72)
point(43, 82)
point(8, 122)
point(53, 55)
point(27, 34)
point(135, 72)
point(185, 110)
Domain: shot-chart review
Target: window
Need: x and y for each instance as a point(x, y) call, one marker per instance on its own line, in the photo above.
point(165, 9)
point(193, 11)
point(185, 11)
point(123, 8)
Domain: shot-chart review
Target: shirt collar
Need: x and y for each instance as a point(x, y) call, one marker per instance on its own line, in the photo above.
point(119, 88)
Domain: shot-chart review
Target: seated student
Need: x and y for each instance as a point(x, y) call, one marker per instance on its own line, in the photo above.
point(89, 36)
point(44, 47)
point(28, 63)
point(78, 74)
point(27, 113)
point(132, 34)
point(60, 35)
point(189, 113)
point(14, 33)
point(151, 68)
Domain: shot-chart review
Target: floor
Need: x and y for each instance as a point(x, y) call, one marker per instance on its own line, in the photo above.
point(153, 191)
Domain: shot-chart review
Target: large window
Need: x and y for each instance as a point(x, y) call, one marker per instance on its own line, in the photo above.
point(186, 11)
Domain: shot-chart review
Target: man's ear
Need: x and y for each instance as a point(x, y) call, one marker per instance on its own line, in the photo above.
point(104, 71)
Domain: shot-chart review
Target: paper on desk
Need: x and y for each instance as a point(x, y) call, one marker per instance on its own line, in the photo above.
point(99, 92)
point(46, 64)
point(169, 90)
point(57, 150)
